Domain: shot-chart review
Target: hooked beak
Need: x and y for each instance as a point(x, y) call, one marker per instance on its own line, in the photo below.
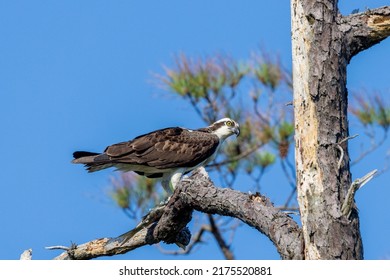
point(236, 131)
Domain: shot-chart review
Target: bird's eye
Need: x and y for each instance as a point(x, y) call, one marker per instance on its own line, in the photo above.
point(229, 123)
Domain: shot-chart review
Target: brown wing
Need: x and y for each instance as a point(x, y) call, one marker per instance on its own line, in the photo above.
point(165, 148)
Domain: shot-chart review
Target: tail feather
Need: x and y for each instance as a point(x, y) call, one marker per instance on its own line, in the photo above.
point(79, 154)
point(84, 157)
point(92, 161)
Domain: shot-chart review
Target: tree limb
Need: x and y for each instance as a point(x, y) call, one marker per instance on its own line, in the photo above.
point(255, 210)
point(364, 30)
point(168, 226)
point(199, 193)
point(348, 203)
point(225, 248)
point(26, 255)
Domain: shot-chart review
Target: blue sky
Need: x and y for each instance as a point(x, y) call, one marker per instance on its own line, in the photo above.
point(78, 75)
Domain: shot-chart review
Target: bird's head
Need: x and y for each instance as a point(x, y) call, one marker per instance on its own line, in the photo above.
point(224, 128)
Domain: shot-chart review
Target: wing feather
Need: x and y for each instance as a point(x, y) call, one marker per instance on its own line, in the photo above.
point(165, 148)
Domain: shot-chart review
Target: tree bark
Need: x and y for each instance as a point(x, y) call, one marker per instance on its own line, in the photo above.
point(323, 42)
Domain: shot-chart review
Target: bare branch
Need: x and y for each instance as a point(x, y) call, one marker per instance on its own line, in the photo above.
point(58, 247)
point(338, 145)
point(242, 155)
point(364, 30)
point(374, 145)
point(290, 180)
point(199, 193)
point(357, 184)
point(221, 242)
point(26, 255)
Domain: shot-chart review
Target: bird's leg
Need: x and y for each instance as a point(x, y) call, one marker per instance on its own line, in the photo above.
point(170, 181)
point(166, 181)
point(175, 179)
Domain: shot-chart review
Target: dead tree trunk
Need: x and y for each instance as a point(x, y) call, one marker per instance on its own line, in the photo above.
point(323, 42)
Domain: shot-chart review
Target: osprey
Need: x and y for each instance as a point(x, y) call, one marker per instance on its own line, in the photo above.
point(166, 153)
